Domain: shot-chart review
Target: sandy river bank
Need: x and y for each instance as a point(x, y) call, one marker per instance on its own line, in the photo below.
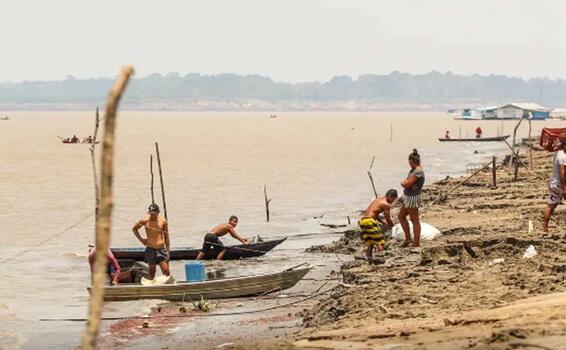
point(454, 292)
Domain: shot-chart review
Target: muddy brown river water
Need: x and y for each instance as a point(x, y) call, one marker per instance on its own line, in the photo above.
point(215, 165)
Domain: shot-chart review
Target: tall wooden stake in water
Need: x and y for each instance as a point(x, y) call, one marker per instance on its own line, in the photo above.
point(267, 201)
point(371, 177)
point(88, 340)
point(151, 173)
point(161, 180)
point(93, 164)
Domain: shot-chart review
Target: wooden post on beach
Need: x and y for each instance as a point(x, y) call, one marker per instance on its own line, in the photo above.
point(459, 131)
point(516, 164)
point(161, 180)
point(515, 134)
point(531, 165)
point(151, 173)
point(390, 132)
point(494, 172)
point(93, 164)
point(88, 339)
point(267, 201)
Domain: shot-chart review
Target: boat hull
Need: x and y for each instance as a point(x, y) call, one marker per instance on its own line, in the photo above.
point(232, 252)
point(215, 289)
point(482, 139)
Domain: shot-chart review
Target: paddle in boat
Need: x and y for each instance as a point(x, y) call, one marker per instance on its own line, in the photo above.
point(475, 139)
point(212, 289)
point(234, 252)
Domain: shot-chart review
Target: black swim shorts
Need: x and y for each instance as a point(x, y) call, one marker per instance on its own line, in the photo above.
point(155, 256)
point(211, 241)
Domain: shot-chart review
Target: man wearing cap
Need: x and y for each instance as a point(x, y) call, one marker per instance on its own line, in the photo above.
point(557, 184)
point(156, 242)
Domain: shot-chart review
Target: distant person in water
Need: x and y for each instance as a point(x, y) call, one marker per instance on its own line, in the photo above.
point(447, 135)
point(113, 267)
point(373, 226)
point(557, 184)
point(157, 243)
point(411, 200)
point(479, 132)
point(212, 241)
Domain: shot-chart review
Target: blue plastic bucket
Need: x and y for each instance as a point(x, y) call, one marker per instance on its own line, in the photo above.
point(194, 271)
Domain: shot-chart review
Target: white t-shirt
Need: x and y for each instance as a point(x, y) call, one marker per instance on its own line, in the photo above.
point(559, 159)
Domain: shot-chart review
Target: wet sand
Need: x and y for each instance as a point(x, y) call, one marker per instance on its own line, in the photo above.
point(453, 293)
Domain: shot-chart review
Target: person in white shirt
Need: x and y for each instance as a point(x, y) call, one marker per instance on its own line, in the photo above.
point(557, 184)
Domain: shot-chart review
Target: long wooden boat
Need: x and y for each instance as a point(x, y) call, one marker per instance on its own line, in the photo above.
point(214, 289)
point(481, 139)
point(234, 252)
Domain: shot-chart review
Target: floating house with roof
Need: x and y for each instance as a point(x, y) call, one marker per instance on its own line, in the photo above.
point(507, 111)
point(518, 110)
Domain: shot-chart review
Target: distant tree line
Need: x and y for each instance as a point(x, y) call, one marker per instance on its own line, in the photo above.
point(433, 87)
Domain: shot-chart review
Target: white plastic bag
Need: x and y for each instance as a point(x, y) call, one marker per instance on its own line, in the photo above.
point(530, 252)
point(428, 232)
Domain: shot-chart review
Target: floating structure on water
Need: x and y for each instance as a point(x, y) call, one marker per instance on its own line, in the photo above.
point(504, 112)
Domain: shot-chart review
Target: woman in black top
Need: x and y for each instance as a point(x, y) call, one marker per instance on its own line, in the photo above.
point(411, 200)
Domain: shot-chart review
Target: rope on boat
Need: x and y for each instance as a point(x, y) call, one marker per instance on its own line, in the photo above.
point(47, 239)
point(199, 315)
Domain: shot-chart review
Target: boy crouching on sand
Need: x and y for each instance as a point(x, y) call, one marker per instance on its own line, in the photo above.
point(372, 226)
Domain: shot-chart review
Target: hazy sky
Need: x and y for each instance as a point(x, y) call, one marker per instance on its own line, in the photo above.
point(288, 40)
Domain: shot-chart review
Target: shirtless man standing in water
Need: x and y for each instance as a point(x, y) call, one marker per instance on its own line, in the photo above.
point(372, 226)
point(157, 242)
point(211, 240)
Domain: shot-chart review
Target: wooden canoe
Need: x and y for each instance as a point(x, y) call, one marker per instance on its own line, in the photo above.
point(234, 252)
point(214, 289)
point(481, 139)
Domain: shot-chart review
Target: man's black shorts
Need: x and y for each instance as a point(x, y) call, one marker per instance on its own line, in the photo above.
point(155, 256)
point(211, 241)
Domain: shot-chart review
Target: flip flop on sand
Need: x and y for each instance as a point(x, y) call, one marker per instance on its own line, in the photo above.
point(406, 244)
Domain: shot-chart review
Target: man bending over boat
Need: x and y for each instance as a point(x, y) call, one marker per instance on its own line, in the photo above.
point(156, 242)
point(211, 240)
point(373, 226)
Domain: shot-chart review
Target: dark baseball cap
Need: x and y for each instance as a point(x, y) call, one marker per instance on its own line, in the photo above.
point(153, 207)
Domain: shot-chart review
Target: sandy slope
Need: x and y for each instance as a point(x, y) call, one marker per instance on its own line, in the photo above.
point(450, 294)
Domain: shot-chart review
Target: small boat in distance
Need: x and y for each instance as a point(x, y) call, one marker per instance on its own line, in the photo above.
point(234, 252)
point(475, 139)
point(212, 289)
point(4, 117)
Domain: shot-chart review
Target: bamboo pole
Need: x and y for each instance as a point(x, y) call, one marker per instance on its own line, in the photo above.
point(151, 172)
point(443, 196)
point(390, 132)
point(161, 180)
point(494, 172)
point(267, 201)
point(103, 220)
point(531, 165)
point(93, 164)
point(516, 156)
point(515, 134)
point(371, 177)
